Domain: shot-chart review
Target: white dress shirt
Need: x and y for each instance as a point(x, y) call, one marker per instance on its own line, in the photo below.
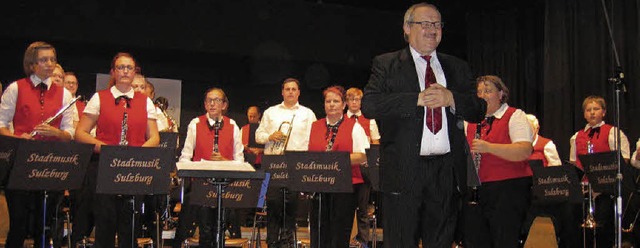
point(93, 106)
point(624, 142)
point(432, 144)
point(190, 140)
point(550, 152)
point(10, 97)
point(275, 115)
point(373, 126)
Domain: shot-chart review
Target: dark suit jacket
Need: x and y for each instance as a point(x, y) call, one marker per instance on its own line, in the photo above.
point(391, 98)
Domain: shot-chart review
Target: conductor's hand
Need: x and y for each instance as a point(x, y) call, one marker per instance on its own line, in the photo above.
point(436, 96)
point(480, 146)
point(277, 136)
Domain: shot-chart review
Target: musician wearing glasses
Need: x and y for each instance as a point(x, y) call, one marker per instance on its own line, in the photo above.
point(215, 137)
point(503, 140)
point(28, 102)
point(419, 97)
point(597, 136)
point(121, 117)
point(337, 133)
point(299, 119)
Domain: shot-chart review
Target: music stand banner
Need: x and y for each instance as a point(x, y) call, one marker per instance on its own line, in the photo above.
point(49, 165)
point(554, 184)
point(323, 172)
point(237, 194)
point(131, 170)
point(601, 170)
point(371, 169)
point(277, 167)
point(8, 146)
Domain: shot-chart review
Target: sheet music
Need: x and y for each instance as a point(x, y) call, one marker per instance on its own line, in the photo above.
point(215, 166)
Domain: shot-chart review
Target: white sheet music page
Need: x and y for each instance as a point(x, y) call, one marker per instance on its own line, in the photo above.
point(215, 166)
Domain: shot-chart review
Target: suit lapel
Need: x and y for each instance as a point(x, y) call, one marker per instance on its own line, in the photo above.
point(408, 69)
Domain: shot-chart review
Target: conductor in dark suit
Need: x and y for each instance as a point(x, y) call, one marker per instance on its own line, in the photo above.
point(420, 98)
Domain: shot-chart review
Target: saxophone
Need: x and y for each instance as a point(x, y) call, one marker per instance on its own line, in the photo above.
point(123, 132)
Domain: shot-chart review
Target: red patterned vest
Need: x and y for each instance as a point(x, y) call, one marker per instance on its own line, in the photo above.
point(80, 105)
point(205, 137)
point(109, 127)
point(245, 141)
point(29, 111)
point(538, 150)
point(493, 168)
point(343, 142)
point(600, 141)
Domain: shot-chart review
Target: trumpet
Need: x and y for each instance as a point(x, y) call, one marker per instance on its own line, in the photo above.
point(58, 114)
point(278, 147)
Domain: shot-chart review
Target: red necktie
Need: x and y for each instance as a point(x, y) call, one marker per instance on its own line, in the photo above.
point(434, 116)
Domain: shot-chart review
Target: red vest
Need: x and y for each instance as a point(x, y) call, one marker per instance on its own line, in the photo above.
point(29, 112)
point(80, 105)
point(205, 137)
point(538, 150)
point(365, 123)
point(600, 141)
point(245, 141)
point(109, 127)
point(493, 168)
point(343, 142)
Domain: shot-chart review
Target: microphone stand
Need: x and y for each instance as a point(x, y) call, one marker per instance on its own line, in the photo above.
point(618, 85)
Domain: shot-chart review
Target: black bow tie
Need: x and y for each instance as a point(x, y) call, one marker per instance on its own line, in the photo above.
point(593, 130)
point(488, 121)
point(354, 117)
point(126, 98)
point(42, 86)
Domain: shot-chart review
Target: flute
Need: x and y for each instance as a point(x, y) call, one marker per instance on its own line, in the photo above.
point(58, 114)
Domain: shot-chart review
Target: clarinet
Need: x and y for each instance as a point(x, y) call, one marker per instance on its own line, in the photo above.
point(476, 161)
point(123, 133)
point(217, 125)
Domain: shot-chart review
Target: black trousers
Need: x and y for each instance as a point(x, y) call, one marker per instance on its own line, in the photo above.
point(276, 233)
point(114, 214)
point(363, 192)
point(425, 210)
point(207, 222)
point(497, 219)
point(82, 201)
point(333, 228)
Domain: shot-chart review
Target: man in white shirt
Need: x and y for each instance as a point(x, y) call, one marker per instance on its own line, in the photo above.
point(268, 133)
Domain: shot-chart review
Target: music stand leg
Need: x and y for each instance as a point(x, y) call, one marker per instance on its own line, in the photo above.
point(319, 219)
point(133, 220)
point(220, 233)
point(44, 219)
point(69, 228)
point(283, 232)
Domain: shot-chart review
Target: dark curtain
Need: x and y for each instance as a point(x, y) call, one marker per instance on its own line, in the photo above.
point(578, 60)
point(554, 53)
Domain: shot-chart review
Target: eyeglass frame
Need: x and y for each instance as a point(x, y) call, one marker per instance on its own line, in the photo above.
point(212, 101)
point(123, 67)
point(428, 24)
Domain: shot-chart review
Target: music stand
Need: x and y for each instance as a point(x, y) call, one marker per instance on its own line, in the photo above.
point(320, 172)
point(48, 166)
point(128, 170)
point(277, 167)
point(601, 170)
point(554, 184)
point(8, 147)
point(219, 173)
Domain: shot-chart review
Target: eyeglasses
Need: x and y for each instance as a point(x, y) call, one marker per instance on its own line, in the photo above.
point(44, 60)
point(123, 67)
point(355, 99)
point(214, 101)
point(428, 24)
point(487, 91)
